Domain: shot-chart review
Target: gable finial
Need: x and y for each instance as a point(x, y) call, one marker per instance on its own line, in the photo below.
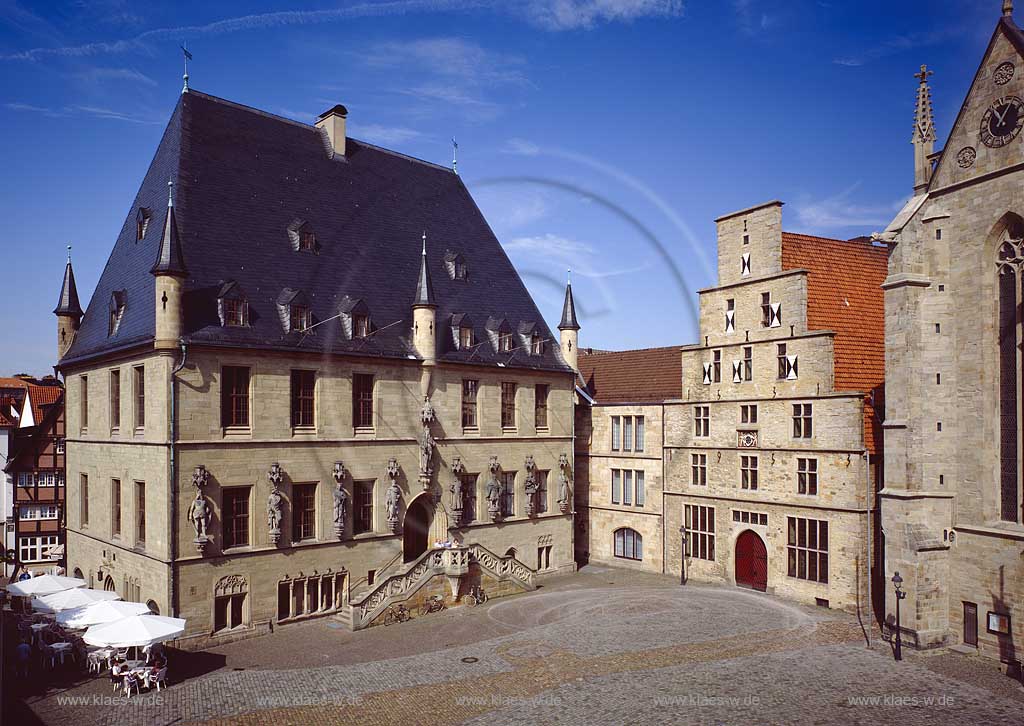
point(1007, 8)
point(424, 243)
point(455, 156)
point(69, 253)
point(170, 192)
point(188, 57)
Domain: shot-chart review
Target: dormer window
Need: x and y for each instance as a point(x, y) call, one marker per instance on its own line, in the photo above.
point(465, 337)
point(115, 311)
point(455, 262)
point(360, 325)
point(232, 305)
point(142, 222)
point(536, 345)
point(299, 317)
point(307, 239)
point(302, 237)
point(505, 343)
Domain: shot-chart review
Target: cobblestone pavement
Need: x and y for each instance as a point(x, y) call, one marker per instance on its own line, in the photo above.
point(602, 646)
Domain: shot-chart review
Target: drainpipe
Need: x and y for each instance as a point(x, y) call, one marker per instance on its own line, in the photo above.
point(172, 485)
point(869, 560)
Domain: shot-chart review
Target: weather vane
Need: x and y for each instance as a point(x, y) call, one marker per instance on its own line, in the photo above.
point(455, 156)
point(188, 57)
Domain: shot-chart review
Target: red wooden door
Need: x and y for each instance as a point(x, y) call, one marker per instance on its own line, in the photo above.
point(751, 562)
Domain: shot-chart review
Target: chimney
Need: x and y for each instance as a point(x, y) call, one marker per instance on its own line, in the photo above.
point(332, 122)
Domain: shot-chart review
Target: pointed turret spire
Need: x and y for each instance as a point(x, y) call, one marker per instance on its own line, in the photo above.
point(1008, 8)
point(924, 131)
point(169, 260)
point(424, 288)
point(68, 303)
point(569, 321)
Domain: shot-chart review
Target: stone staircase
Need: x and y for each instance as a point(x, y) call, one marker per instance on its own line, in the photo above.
point(401, 581)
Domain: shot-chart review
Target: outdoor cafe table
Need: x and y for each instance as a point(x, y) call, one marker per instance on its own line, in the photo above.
point(56, 652)
point(37, 629)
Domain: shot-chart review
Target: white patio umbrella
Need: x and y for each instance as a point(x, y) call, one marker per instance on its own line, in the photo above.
point(98, 613)
point(44, 585)
point(134, 631)
point(76, 597)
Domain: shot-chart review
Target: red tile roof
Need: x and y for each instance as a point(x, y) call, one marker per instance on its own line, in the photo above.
point(648, 375)
point(43, 396)
point(844, 294)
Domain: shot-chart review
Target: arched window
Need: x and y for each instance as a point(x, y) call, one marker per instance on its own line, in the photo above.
point(153, 607)
point(1011, 255)
point(108, 584)
point(629, 544)
point(78, 573)
point(510, 552)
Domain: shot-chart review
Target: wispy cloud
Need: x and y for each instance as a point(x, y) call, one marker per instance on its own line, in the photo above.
point(549, 14)
point(77, 109)
point(100, 75)
point(843, 210)
point(303, 116)
point(896, 44)
point(385, 135)
point(548, 245)
point(751, 18)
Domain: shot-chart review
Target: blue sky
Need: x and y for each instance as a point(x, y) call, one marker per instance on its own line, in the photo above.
point(602, 135)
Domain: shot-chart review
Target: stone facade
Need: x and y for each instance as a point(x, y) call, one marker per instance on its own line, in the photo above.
point(951, 531)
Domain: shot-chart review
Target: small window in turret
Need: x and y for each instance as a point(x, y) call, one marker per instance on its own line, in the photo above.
point(142, 222)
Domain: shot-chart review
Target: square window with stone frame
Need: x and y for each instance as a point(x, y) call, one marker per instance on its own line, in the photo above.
point(508, 405)
point(766, 309)
point(234, 397)
point(807, 476)
point(303, 512)
point(140, 512)
point(540, 407)
point(363, 519)
point(115, 507)
point(783, 361)
point(303, 390)
point(807, 549)
point(139, 384)
point(83, 500)
point(627, 433)
point(469, 410)
point(748, 472)
point(83, 403)
point(627, 487)
point(362, 400)
point(229, 611)
point(508, 494)
point(115, 400)
point(748, 413)
point(716, 366)
point(616, 433)
point(748, 363)
point(699, 470)
point(702, 421)
point(699, 522)
point(235, 517)
point(802, 421)
point(616, 486)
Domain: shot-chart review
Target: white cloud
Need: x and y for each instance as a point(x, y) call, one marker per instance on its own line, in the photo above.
point(303, 116)
point(385, 135)
point(842, 210)
point(75, 109)
point(98, 75)
point(577, 14)
point(548, 245)
point(446, 56)
point(750, 18)
point(896, 44)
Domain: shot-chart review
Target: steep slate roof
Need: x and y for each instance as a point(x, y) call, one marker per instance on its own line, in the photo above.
point(242, 177)
point(648, 375)
point(68, 303)
point(844, 295)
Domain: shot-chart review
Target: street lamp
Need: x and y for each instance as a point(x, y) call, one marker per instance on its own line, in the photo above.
point(897, 584)
point(682, 570)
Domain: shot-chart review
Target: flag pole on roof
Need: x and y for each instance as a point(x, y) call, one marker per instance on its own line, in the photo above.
point(188, 57)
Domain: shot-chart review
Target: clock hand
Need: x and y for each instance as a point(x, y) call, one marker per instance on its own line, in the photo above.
point(1001, 116)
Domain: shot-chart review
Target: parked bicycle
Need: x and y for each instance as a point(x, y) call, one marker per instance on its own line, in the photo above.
point(477, 595)
point(433, 604)
point(396, 614)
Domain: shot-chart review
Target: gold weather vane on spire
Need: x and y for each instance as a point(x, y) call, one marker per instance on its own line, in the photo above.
point(188, 57)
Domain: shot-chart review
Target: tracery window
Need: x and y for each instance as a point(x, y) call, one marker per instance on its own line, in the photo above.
point(1010, 258)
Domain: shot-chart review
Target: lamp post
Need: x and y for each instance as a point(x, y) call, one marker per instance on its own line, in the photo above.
point(897, 584)
point(682, 569)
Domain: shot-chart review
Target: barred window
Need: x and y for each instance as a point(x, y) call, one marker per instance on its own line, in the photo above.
point(802, 427)
point(807, 476)
point(362, 400)
point(748, 472)
point(702, 421)
point(699, 469)
point(807, 548)
point(699, 522)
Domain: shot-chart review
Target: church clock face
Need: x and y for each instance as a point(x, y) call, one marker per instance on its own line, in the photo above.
point(1002, 122)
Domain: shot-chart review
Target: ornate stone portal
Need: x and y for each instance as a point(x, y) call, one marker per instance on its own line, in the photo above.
point(564, 492)
point(531, 487)
point(427, 444)
point(340, 500)
point(275, 476)
point(199, 512)
point(458, 496)
point(393, 495)
point(494, 491)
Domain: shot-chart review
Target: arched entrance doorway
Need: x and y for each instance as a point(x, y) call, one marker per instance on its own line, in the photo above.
point(751, 561)
point(416, 530)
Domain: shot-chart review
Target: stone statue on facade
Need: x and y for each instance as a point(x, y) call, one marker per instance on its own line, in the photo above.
point(275, 476)
point(531, 486)
point(199, 514)
point(427, 443)
point(393, 495)
point(458, 468)
point(494, 491)
point(564, 495)
point(340, 500)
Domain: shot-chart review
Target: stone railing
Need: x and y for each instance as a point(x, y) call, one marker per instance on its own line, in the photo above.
point(506, 567)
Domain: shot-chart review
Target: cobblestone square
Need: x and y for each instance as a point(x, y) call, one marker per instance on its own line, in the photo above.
point(603, 646)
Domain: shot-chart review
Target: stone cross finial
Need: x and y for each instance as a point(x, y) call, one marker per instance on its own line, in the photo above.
point(923, 74)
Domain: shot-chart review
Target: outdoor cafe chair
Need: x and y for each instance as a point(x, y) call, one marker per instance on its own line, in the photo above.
point(131, 681)
point(159, 679)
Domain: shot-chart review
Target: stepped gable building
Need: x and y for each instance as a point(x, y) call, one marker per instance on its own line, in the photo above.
point(952, 503)
point(307, 361)
point(773, 457)
point(619, 457)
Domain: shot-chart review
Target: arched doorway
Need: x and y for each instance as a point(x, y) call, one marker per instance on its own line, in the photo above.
point(108, 584)
point(751, 561)
point(78, 573)
point(416, 530)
